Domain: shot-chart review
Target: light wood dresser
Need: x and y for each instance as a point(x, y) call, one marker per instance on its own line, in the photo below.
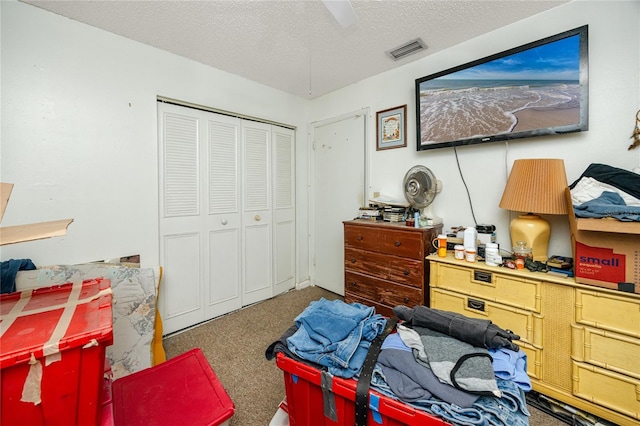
point(384, 264)
point(582, 342)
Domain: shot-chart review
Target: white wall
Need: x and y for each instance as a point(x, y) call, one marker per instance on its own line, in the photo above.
point(79, 137)
point(79, 133)
point(614, 91)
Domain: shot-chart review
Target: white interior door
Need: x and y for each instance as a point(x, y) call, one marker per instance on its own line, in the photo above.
point(339, 187)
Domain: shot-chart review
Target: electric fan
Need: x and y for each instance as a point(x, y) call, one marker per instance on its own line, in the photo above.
point(420, 189)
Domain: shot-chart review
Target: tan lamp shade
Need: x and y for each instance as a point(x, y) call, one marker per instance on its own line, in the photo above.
point(536, 186)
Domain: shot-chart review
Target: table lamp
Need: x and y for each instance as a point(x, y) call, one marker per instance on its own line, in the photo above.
point(535, 186)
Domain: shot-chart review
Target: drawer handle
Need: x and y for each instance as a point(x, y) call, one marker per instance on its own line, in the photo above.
point(360, 237)
point(353, 260)
point(406, 300)
point(478, 305)
point(397, 244)
point(482, 276)
point(352, 283)
point(406, 272)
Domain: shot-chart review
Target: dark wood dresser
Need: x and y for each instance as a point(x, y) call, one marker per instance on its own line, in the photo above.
point(384, 264)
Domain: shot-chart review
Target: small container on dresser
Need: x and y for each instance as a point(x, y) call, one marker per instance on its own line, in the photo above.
point(385, 265)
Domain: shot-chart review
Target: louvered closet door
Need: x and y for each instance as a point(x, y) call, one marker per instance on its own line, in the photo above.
point(200, 219)
point(284, 209)
point(256, 216)
point(223, 220)
point(181, 237)
point(227, 214)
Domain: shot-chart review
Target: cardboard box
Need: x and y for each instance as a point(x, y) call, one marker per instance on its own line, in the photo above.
point(606, 251)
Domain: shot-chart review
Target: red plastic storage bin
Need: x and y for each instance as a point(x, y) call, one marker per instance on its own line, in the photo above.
point(106, 401)
point(106, 404)
point(52, 354)
point(181, 391)
point(305, 402)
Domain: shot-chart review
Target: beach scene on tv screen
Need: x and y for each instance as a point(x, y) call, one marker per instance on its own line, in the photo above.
point(532, 90)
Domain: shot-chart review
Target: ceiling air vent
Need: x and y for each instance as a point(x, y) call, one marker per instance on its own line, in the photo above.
point(409, 48)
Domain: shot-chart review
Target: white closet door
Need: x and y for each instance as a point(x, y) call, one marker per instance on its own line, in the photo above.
point(223, 181)
point(200, 224)
point(223, 220)
point(181, 236)
point(284, 209)
point(256, 215)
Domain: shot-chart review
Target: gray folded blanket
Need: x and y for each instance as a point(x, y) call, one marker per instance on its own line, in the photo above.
point(477, 332)
point(452, 361)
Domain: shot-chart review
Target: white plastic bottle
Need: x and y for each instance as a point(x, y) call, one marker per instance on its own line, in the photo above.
point(492, 255)
point(470, 238)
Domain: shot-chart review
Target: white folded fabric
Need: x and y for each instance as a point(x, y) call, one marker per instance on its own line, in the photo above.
point(589, 188)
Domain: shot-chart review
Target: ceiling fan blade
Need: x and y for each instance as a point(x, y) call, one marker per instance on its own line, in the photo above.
point(342, 11)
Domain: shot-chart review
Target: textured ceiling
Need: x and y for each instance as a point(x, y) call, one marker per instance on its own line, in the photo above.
point(296, 45)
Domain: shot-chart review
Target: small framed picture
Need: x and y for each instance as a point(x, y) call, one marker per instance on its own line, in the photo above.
point(391, 128)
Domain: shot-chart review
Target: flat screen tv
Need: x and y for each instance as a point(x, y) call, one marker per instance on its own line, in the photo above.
point(537, 89)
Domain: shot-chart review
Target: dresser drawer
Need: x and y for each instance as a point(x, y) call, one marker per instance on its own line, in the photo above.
point(606, 349)
point(615, 391)
point(381, 291)
point(402, 243)
point(400, 270)
point(366, 262)
point(396, 242)
point(505, 289)
point(361, 237)
point(608, 312)
point(380, 308)
point(524, 323)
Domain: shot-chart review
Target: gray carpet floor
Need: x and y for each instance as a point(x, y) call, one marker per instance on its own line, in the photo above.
point(235, 346)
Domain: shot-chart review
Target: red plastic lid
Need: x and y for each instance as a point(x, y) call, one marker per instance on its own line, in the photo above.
point(48, 320)
point(181, 391)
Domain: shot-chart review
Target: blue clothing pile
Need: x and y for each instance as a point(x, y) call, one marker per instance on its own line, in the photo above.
point(336, 335)
point(400, 376)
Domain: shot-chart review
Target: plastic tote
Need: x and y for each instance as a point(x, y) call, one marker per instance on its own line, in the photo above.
point(306, 400)
point(52, 354)
point(181, 391)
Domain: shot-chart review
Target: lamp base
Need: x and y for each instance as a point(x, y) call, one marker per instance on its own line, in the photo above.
point(535, 231)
